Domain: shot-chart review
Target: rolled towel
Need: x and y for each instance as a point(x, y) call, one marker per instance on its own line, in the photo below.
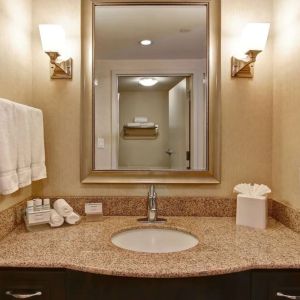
point(62, 207)
point(55, 219)
point(72, 218)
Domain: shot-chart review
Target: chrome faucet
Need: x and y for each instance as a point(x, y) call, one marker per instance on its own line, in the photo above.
point(152, 208)
point(152, 204)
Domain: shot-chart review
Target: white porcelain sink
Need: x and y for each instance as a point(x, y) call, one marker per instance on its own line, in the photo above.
point(154, 240)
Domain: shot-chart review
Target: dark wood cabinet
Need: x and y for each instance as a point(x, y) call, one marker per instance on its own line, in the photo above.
point(59, 284)
point(37, 284)
point(234, 286)
point(275, 285)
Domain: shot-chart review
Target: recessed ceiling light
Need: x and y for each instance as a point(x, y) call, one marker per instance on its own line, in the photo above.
point(148, 81)
point(146, 42)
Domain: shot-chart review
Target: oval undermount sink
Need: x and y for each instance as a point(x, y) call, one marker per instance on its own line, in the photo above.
point(154, 240)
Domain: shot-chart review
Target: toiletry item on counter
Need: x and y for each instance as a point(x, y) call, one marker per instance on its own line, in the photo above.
point(46, 203)
point(62, 207)
point(30, 206)
point(36, 214)
point(252, 205)
point(55, 219)
point(72, 218)
point(38, 204)
point(93, 211)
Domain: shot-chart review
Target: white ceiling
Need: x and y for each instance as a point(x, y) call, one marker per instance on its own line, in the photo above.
point(131, 83)
point(177, 32)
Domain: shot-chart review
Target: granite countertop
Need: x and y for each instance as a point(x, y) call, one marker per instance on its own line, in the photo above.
point(223, 248)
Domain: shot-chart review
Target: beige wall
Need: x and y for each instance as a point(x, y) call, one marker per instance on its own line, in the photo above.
point(246, 106)
point(143, 153)
point(16, 67)
point(286, 108)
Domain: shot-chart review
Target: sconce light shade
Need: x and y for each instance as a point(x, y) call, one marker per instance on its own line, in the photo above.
point(54, 44)
point(253, 41)
point(52, 37)
point(255, 36)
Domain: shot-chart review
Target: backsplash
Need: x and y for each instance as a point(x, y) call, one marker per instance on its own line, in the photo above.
point(167, 206)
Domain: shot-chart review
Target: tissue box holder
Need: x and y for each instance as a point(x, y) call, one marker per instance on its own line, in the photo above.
point(252, 211)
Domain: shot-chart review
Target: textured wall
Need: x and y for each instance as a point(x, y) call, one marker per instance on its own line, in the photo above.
point(16, 66)
point(246, 108)
point(286, 108)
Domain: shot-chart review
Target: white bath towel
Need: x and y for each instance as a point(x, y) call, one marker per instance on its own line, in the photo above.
point(23, 123)
point(72, 219)
point(38, 168)
point(55, 219)
point(62, 207)
point(8, 148)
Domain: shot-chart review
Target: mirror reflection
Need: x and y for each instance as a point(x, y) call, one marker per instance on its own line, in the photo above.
point(150, 87)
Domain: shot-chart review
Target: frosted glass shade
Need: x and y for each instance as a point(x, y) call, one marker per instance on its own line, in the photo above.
point(148, 81)
point(255, 36)
point(52, 37)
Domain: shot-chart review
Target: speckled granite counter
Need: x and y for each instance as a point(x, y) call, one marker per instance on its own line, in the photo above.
point(223, 248)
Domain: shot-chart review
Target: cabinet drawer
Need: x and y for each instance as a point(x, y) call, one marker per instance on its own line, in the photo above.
point(33, 284)
point(268, 285)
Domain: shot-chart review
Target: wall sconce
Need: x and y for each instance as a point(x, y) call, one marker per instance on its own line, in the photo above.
point(254, 39)
point(53, 43)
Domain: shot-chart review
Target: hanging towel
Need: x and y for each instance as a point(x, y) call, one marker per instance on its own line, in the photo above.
point(8, 148)
point(23, 121)
point(38, 168)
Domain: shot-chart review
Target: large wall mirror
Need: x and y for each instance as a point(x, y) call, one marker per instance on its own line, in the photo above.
point(150, 92)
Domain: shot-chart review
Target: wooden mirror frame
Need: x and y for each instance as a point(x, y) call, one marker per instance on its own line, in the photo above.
point(88, 174)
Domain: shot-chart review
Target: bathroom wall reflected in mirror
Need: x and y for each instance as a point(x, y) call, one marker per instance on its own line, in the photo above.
point(150, 87)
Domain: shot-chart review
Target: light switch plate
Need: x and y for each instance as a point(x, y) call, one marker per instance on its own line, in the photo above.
point(100, 143)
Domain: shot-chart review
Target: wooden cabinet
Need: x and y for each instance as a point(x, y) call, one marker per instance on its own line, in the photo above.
point(37, 284)
point(59, 284)
point(275, 285)
point(234, 286)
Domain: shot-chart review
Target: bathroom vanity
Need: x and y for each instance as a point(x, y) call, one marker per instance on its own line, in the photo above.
point(59, 284)
point(81, 262)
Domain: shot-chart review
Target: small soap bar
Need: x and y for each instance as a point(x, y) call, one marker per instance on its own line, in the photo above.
point(252, 211)
point(93, 208)
point(93, 212)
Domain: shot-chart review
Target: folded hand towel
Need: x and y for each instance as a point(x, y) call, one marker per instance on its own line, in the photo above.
point(23, 121)
point(146, 125)
point(141, 125)
point(38, 168)
point(55, 219)
point(8, 148)
point(62, 207)
point(140, 119)
point(73, 218)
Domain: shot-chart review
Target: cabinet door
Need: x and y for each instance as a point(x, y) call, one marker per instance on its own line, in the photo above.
point(32, 284)
point(276, 285)
point(96, 287)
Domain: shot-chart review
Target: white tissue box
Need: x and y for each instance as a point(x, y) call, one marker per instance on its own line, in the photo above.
point(252, 211)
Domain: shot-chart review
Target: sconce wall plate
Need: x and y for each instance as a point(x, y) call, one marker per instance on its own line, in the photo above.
point(59, 69)
point(244, 68)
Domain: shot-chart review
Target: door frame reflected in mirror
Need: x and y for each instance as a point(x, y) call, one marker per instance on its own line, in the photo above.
point(212, 174)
